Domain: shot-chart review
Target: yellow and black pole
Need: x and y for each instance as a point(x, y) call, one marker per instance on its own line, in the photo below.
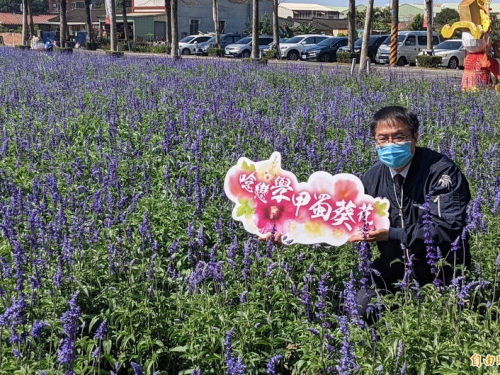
point(393, 59)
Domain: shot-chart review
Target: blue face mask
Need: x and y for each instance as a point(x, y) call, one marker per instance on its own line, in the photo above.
point(395, 155)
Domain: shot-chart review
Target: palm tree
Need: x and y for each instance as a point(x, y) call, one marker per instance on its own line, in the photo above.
point(276, 30)
point(25, 22)
point(29, 10)
point(175, 28)
point(63, 23)
point(88, 21)
point(366, 38)
point(215, 5)
point(255, 29)
point(112, 26)
point(351, 25)
point(125, 22)
point(168, 39)
point(428, 12)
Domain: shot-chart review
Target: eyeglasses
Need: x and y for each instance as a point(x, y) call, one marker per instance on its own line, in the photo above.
point(399, 138)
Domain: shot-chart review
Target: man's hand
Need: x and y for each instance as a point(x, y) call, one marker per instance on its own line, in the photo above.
point(371, 236)
point(276, 239)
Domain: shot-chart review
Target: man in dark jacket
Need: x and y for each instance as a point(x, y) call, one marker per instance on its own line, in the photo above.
point(428, 196)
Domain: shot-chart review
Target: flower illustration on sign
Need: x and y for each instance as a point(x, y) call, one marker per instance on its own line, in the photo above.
point(326, 208)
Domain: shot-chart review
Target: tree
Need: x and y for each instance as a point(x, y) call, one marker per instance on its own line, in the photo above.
point(276, 30)
point(429, 16)
point(175, 28)
point(125, 4)
point(447, 16)
point(366, 38)
point(417, 23)
point(63, 23)
point(265, 27)
point(304, 28)
point(88, 21)
point(381, 19)
point(351, 24)
point(255, 29)
point(25, 22)
point(112, 26)
point(215, 11)
point(169, 27)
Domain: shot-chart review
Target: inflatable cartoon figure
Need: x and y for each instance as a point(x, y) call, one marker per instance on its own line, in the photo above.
point(480, 68)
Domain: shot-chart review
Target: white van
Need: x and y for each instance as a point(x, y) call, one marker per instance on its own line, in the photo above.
point(410, 44)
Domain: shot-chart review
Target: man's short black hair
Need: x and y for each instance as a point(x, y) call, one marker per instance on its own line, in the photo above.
point(395, 113)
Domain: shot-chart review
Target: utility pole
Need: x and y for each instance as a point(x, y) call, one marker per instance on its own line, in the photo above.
point(393, 59)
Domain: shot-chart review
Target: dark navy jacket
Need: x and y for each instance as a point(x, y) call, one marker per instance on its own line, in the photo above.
point(433, 174)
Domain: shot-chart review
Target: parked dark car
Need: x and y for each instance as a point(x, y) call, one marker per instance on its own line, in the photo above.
point(375, 41)
point(325, 51)
point(225, 39)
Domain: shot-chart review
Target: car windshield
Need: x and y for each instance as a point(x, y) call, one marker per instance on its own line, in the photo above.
point(328, 42)
point(212, 39)
point(244, 40)
point(186, 39)
point(449, 45)
point(295, 39)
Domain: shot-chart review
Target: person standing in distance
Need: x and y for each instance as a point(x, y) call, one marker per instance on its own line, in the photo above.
point(411, 177)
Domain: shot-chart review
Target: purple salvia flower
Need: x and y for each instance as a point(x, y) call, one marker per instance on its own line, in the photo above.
point(270, 268)
point(351, 302)
point(314, 331)
point(347, 364)
point(196, 372)
point(273, 362)
point(102, 331)
point(66, 353)
point(322, 294)
point(243, 296)
point(37, 329)
point(137, 369)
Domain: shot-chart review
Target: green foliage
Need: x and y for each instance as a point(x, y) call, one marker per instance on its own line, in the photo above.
point(265, 25)
point(446, 16)
point(286, 30)
point(425, 61)
point(271, 54)
point(304, 28)
point(495, 27)
point(347, 57)
point(381, 19)
point(417, 23)
point(218, 52)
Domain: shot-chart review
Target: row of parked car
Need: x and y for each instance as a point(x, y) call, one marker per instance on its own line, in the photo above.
point(324, 48)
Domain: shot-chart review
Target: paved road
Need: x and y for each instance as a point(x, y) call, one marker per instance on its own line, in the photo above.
point(454, 76)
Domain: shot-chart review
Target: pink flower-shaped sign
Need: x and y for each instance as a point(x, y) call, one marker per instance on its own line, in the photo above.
point(326, 208)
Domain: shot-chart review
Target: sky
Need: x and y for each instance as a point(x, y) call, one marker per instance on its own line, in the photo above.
point(377, 3)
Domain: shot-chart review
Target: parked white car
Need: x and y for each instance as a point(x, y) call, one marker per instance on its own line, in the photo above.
point(452, 53)
point(187, 44)
point(243, 47)
point(293, 47)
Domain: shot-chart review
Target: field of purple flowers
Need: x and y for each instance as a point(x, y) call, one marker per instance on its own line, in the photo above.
point(118, 254)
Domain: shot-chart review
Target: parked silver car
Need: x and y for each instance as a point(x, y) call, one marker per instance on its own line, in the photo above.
point(293, 47)
point(187, 44)
point(201, 49)
point(243, 47)
point(452, 53)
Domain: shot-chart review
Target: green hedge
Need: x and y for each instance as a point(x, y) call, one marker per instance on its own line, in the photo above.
point(216, 52)
point(346, 57)
point(425, 61)
point(271, 54)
